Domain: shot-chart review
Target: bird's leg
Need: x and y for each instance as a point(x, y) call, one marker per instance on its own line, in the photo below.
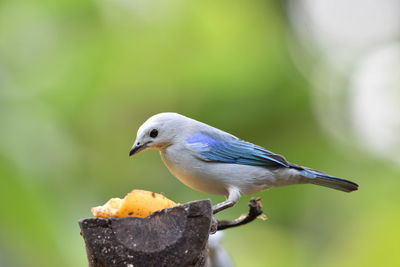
point(233, 198)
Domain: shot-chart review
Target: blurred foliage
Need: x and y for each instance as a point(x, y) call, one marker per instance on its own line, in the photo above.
point(77, 78)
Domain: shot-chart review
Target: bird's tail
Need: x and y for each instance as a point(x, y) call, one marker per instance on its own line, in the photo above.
point(323, 179)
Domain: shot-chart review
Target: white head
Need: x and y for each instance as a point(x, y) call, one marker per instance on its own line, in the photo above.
point(158, 132)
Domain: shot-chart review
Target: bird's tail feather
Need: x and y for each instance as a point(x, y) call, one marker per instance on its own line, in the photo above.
point(319, 178)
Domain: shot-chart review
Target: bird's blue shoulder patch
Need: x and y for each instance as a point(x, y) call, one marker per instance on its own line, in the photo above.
point(204, 139)
point(211, 148)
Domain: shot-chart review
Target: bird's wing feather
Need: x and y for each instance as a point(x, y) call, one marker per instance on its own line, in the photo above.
point(232, 150)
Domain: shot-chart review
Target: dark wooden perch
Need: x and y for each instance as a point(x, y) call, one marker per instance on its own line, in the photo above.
point(170, 237)
point(255, 210)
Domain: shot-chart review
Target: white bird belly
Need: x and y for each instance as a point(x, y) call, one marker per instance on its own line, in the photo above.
point(216, 178)
point(193, 175)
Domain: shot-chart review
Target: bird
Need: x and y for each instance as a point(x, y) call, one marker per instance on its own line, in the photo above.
point(213, 161)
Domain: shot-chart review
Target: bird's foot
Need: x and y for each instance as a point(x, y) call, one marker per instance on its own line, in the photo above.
point(223, 205)
point(255, 210)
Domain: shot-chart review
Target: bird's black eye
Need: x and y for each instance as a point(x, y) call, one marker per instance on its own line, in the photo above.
point(154, 133)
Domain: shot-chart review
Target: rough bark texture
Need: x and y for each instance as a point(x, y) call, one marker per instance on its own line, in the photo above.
point(171, 237)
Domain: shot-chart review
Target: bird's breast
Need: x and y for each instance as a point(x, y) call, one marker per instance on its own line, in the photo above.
point(192, 172)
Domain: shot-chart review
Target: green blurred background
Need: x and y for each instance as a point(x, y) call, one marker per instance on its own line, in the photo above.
point(77, 78)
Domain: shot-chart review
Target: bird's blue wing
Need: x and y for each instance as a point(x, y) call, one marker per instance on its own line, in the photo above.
point(232, 150)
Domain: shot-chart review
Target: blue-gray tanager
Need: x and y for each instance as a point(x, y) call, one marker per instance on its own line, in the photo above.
point(213, 161)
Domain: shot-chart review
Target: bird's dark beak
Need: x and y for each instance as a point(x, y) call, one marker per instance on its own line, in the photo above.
point(137, 148)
